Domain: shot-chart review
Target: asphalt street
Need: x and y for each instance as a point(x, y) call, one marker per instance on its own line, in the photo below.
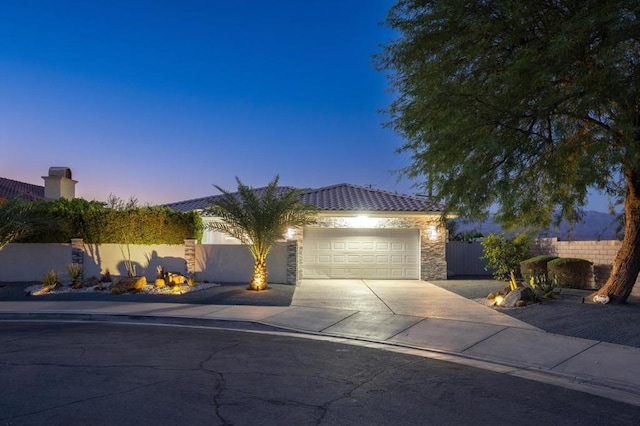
point(121, 374)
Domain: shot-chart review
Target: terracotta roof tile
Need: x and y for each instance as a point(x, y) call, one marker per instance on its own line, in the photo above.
point(341, 197)
point(12, 188)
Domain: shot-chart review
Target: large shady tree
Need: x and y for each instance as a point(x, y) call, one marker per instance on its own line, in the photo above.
point(523, 105)
point(259, 218)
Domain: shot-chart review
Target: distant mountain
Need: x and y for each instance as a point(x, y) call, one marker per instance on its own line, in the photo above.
point(595, 226)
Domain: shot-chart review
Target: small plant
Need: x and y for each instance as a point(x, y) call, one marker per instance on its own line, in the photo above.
point(50, 280)
point(191, 280)
point(130, 267)
point(504, 254)
point(542, 286)
point(75, 271)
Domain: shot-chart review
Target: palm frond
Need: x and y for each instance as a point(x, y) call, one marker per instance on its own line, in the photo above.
point(259, 218)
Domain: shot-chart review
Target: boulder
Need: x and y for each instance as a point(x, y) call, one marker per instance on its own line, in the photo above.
point(175, 278)
point(126, 284)
point(89, 282)
point(520, 294)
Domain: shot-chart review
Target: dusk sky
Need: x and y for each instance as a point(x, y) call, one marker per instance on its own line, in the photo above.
point(161, 99)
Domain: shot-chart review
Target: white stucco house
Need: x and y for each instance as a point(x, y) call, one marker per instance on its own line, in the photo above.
point(360, 232)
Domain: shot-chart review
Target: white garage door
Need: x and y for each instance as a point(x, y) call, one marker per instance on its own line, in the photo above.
point(361, 253)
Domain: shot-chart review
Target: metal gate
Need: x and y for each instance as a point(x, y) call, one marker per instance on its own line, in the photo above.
point(464, 259)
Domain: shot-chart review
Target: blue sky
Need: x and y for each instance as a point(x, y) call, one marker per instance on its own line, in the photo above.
point(161, 99)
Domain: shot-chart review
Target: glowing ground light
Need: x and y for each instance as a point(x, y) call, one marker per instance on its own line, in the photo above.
point(498, 300)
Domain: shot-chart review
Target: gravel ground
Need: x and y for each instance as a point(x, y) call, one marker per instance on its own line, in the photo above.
point(223, 294)
point(565, 315)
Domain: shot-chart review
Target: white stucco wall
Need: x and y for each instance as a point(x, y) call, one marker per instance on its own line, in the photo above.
point(99, 258)
point(29, 262)
point(234, 264)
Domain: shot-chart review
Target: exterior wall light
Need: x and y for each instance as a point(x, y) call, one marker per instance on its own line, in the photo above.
point(362, 221)
point(290, 234)
point(432, 233)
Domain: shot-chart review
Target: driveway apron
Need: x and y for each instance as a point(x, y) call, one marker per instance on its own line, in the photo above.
point(397, 297)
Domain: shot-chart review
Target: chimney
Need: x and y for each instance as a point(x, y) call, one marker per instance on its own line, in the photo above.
point(59, 184)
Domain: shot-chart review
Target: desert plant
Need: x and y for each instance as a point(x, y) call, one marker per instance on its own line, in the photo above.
point(505, 254)
point(50, 279)
point(542, 286)
point(569, 272)
point(74, 270)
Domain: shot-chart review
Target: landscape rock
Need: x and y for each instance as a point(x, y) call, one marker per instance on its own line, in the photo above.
point(175, 278)
point(126, 284)
point(524, 294)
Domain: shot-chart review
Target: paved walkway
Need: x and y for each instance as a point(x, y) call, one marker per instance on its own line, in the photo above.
point(400, 315)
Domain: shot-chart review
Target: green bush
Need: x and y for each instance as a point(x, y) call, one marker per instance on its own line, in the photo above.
point(97, 224)
point(505, 254)
point(570, 273)
point(536, 266)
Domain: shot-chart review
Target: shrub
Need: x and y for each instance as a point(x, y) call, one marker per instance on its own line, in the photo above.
point(505, 254)
point(536, 266)
point(542, 286)
point(95, 223)
point(50, 279)
point(570, 273)
point(74, 270)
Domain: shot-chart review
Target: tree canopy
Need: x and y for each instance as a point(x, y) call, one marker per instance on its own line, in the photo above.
point(523, 105)
point(18, 221)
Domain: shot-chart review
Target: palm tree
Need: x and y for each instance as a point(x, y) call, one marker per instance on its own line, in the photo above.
point(259, 218)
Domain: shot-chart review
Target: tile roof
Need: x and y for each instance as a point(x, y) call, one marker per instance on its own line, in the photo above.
point(342, 197)
point(12, 188)
point(204, 202)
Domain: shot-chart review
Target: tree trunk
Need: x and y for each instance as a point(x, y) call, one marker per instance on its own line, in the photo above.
point(627, 263)
point(259, 279)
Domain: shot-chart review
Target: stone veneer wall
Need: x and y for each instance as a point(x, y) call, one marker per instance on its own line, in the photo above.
point(433, 262)
point(293, 254)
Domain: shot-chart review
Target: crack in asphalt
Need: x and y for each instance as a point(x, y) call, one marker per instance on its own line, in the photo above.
point(327, 406)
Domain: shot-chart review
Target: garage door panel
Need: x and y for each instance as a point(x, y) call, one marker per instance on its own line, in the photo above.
point(368, 259)
point(361, 253)
point(338, 259)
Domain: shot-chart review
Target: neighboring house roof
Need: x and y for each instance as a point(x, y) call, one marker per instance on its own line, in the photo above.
point(341, 197)
point(12, 188)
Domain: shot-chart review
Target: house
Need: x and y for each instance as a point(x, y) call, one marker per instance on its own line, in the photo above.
point(360, 232)
point(57, 184)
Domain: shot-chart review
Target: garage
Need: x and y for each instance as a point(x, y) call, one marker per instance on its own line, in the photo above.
point(361, 253)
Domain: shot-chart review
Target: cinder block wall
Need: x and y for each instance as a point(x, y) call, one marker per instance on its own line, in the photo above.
point(601, 253)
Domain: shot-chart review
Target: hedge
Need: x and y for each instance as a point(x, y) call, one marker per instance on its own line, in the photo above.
point(570, 273)
point(535, 266)
point(96, 224)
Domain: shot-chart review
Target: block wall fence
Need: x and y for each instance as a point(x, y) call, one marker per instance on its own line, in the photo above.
point(215, 263)
point(600, 253)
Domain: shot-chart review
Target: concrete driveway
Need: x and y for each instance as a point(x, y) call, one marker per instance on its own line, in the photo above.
point(398, 297)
